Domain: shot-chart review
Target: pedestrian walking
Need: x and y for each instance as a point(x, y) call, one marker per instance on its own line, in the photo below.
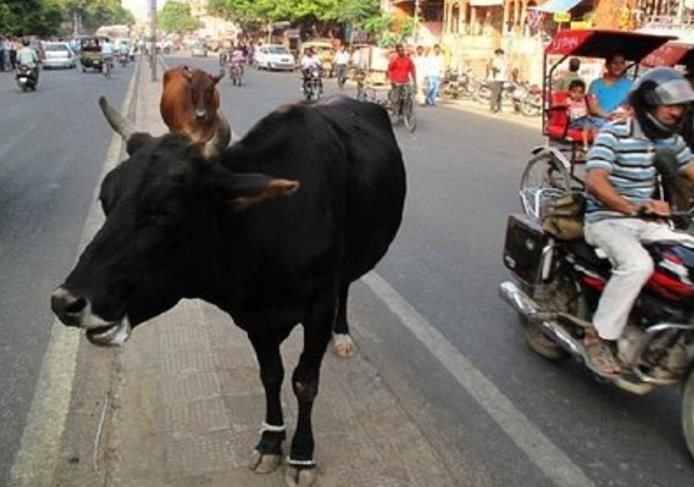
point(14, 49)
point(420, 63)
point(498, 73)
point(342, 58)
point(436, 65)
point(2, 53)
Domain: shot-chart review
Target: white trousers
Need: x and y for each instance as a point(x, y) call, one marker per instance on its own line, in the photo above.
point(620, 239)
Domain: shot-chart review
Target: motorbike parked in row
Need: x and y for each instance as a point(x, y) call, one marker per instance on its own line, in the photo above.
point(26, 78)
point(459, 84)
point(527, 99)
point(484, 92)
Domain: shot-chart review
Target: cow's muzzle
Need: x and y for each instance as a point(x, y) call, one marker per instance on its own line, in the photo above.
point(75, 310)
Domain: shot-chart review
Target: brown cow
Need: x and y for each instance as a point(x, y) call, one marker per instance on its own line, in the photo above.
point(189, 102)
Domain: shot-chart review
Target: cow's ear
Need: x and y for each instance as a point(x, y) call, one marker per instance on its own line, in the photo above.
point(247, 190)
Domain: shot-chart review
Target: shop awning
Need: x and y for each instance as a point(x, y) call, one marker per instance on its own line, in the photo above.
point(557, 6)
point(485, 3)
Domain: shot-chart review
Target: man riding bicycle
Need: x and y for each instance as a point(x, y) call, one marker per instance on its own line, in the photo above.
point(402, 76)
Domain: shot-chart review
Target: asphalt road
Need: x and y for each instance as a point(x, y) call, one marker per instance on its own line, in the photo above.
point(445, 266)
point(430, 319)
point(52, 148)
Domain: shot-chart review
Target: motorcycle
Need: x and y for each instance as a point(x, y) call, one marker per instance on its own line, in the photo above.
point(123, 59)
point(555, 290)
point(484, 92)
point(236, 73)
point(26, 78)
point(313, 83)
point(458, 85)
point(527, 99)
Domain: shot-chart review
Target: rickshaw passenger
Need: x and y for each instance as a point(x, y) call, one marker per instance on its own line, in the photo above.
point(564, 82)
point(607, 94)
point(579, 118)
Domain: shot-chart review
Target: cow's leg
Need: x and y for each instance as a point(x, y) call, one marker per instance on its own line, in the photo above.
point(343, 346)
point(318, 327)
point(268, 452)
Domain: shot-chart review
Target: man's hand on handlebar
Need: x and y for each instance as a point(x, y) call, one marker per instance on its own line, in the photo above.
point(656, 208)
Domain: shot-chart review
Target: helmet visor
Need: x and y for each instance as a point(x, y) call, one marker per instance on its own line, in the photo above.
point(675, 92)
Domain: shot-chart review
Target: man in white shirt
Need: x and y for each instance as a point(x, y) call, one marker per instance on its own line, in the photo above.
point(497, 75)
point(436, 64)
point(341, 65)
point(106, 49)
point(420, 64)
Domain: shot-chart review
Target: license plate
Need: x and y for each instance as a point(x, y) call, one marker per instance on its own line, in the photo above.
point(22, 80)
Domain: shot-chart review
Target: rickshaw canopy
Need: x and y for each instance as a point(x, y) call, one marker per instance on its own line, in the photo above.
point(670, 54)
point(602, 43)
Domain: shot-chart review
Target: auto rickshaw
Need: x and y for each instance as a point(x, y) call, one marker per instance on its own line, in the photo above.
point(90, 53)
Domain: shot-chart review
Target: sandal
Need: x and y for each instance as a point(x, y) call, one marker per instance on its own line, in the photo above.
point(599, 356)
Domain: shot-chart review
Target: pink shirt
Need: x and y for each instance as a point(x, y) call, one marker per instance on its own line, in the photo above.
point(577, 109)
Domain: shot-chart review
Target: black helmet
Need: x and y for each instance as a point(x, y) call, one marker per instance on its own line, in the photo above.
point(659, 86)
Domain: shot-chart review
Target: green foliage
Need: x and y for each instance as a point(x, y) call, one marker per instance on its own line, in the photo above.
point(96, 13)
point(176, 17)
point(30, 17)
point(352, 11)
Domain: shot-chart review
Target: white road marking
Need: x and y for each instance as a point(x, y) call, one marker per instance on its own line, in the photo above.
point(528, 438)
point(37, 457)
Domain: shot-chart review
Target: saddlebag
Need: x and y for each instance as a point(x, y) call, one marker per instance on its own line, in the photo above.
point(527, 250)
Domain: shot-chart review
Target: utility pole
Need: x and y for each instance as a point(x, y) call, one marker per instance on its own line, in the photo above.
point(416, 22)
point(153, 48)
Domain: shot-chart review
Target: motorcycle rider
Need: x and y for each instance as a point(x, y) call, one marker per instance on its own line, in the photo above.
point(620, 182)
point(401, 70)
point(27, 56)
point(309, 61)
point(124, 51)
point(107, 51)
point(237, 59)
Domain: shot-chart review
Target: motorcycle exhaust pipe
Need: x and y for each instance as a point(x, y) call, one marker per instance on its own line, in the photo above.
point(529, 309)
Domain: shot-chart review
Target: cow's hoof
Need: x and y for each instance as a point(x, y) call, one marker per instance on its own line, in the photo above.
point(300, 476)
point(343, 345)
point(265, 462)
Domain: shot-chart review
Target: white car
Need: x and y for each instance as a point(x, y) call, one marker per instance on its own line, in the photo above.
point(59, 55)
point(274, 56)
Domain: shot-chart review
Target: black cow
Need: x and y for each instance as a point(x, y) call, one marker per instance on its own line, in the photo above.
point(272, 230)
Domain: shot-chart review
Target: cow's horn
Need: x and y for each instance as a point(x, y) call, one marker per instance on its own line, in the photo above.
point(122, 126)
point(221, 138)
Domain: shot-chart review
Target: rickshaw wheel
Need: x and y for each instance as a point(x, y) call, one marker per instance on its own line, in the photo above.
point(545, 171)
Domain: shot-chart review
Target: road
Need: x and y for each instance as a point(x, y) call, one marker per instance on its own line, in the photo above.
point(51, 155)
point(429, 319)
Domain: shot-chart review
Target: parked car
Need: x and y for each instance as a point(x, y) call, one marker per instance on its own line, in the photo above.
point(199, 50)
point(59, 55)
point(274, 56)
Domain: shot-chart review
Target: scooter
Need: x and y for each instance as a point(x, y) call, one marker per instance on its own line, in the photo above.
point(26, 78)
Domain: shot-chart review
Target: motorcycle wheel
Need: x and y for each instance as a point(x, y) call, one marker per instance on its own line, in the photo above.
point(688, 411)
point(540, 343)
point(532, 106)
point(483, 94)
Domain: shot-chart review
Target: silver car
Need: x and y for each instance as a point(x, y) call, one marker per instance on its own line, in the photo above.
point(198, 50)
point(59, 55)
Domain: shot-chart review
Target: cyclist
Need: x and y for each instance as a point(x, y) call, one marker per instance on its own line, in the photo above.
point(402, 76)
point(107, 55)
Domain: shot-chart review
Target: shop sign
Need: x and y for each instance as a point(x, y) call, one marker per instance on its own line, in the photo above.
point(562, 17)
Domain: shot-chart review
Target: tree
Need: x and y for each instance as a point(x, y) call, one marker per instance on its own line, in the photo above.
point(176, 17)
point(25, 17)
point(96, 13)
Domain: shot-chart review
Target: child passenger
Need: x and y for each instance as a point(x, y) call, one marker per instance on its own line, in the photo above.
point(578, 112)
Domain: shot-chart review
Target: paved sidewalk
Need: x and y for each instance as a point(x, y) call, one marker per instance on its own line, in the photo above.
point(187, 404)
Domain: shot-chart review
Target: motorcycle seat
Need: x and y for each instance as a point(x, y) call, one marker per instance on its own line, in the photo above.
point(589, 255)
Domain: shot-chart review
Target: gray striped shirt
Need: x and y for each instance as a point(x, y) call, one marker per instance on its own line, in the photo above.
point(627, 154)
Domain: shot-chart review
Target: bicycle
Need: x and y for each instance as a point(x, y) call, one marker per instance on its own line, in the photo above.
point(403, 107)
point(108, 67)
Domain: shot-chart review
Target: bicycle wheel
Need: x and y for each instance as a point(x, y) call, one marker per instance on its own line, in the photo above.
point(544, 179)
point(408, 114)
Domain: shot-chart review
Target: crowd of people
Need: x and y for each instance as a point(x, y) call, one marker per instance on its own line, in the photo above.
point(9, 47)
